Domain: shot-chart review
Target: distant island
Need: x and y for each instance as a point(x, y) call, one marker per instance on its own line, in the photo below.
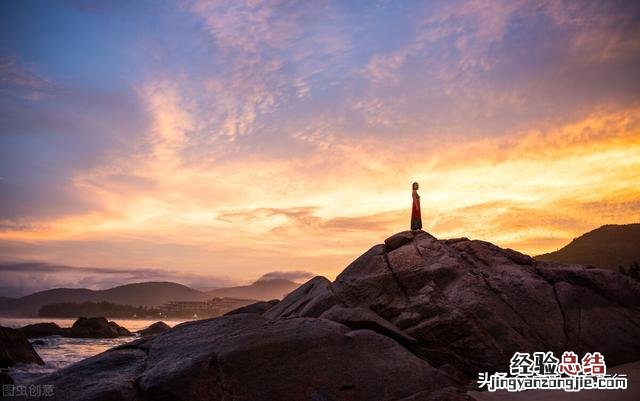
point(171, 310)
point(88, 308)
point(149, 297)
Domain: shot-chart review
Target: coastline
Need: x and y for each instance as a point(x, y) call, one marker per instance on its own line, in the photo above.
point(58, 352)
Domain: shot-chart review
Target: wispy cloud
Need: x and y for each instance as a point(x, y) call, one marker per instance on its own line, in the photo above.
point(273, 52)
point(19, 80)
point(507, 189)
point(241, 138)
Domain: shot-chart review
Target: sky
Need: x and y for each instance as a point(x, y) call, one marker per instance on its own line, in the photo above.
point(212, 142)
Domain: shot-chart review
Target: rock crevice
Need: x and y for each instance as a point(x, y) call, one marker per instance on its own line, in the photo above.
point(564, 317)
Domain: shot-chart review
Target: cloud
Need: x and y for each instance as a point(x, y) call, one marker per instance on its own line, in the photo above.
point(475, 30)
point(535, 184)
point(22, 278)
point(273, 52)
point(294, 275)
point(477, 69)
point(301, 214)
point(20, 81)
point(253, 135)
point(600, 32)
point(45, 144)
point(306, 218)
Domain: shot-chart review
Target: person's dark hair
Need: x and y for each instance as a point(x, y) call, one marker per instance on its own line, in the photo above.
point(414, 185)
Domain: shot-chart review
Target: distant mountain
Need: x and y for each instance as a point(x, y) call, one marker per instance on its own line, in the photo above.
point(147, 294)
point(262, 289)
point(607, 247)
point(152, 293)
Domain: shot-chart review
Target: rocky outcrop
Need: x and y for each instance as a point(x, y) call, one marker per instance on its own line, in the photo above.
point(155, 328)
point(471, 304)
point(15, 349)
point(415, 318)
point(247, 357)
point(97, 327)
point(258, 307)
point(44, 330)
point(93, 327)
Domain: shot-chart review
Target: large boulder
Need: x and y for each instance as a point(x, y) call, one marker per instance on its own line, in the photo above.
point(413, 319)
point(245, 357)
point(97, 327)
point(471, 304)
point(44, 330)
point(15, 349)
point(109, 376)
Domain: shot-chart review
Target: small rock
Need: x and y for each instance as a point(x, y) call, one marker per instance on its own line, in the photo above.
point(120, 330)
point(155, 328)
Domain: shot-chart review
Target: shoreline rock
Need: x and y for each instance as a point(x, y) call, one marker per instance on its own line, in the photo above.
point(153, 329)
point(15, 349)
point(247, 357)
point(43, 330)
point(92, 327)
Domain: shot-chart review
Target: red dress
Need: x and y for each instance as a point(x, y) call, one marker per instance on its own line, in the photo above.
point(416, 218)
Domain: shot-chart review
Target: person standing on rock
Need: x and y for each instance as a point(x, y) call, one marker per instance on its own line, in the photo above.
point(416, 218)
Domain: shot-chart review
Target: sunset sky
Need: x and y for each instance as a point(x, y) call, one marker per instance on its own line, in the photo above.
point(210, 143)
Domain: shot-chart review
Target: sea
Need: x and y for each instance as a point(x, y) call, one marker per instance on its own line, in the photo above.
point(58, 352)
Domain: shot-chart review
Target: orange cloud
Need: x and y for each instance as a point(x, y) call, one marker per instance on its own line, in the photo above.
point(533, 191)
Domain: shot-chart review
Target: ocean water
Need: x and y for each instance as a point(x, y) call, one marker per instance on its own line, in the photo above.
point(58, 352)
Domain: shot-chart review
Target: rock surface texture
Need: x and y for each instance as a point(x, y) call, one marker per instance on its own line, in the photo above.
point(15, 349)
point(257, 307)
point(415, 318)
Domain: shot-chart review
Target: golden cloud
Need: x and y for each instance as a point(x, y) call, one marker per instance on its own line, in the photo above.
point(532, 191)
